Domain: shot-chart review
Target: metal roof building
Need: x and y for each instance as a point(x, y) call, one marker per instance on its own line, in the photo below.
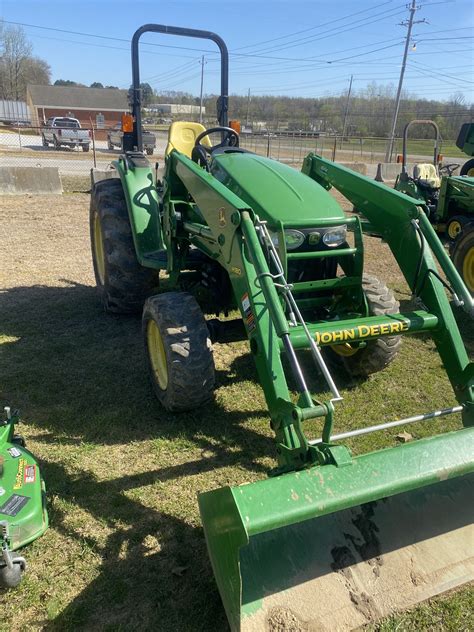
point(13, 111)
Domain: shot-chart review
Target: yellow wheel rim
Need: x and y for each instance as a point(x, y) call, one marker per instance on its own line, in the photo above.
point(345, 350)
point(468, 269)
point(470, 172)
point(454, 229)
point(99, 249)
point(156, 352)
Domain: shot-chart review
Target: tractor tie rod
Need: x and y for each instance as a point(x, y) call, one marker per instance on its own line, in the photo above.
point(392, 424)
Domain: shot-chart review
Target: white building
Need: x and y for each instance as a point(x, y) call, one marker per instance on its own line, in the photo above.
point(174, 108)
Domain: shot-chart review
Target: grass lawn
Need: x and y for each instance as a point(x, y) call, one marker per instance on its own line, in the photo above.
point(126, 549)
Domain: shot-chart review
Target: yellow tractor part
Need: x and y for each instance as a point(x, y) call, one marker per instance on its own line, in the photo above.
point(99, 248)
point(454, 228)
point(468, 269)
point(156, 351)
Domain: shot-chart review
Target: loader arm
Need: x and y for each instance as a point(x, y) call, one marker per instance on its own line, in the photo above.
point(403, 224)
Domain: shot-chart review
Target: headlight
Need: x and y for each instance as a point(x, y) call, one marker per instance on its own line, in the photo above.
point(335, 236)
point(293, 239)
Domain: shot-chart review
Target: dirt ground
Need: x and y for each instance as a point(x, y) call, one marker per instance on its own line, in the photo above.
point(126, 549)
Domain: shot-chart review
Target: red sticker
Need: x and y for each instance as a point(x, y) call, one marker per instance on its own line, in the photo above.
point(30, 473)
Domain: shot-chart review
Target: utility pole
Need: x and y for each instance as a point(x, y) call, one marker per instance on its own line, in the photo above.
point(248, 110)
point(413, 8)
point(202, 62)
point(346, 111)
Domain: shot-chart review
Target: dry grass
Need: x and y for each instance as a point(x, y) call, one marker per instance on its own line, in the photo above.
point(122, 474)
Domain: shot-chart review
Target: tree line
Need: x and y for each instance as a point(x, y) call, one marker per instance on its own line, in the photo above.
point(370, 112)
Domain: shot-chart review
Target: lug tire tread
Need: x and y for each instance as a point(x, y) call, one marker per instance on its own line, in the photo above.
point(379, 353)
point(188, 348)
point(127, 283)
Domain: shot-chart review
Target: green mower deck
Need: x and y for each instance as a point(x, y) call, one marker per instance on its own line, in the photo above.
point(23, 515)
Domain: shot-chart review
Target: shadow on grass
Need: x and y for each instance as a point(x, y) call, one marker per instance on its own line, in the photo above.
point(80, 375)
point(141, 586)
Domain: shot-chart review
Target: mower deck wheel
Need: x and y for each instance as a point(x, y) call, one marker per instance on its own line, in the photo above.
point(179, 351)
point(11, 577)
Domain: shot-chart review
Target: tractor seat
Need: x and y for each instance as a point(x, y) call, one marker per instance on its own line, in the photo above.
point(182, 137)
point(426, 175)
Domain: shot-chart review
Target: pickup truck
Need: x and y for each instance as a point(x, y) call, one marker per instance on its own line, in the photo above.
point(65, 131)
point(115, 135)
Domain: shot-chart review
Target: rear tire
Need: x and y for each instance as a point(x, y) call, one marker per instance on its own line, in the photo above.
point(463, 255)
point(44, 142)
point(379, 353)
point(123, 284)
point(179, 351)
point(56, 143)
point(85, 147)
point(468, 168)
point(149, 151)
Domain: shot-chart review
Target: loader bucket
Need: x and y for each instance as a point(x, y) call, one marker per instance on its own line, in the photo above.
point(332, 548)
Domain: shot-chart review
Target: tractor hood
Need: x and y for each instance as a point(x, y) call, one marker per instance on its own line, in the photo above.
point(273, 190)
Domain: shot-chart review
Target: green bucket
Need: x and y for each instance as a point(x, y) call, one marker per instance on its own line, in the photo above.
point(335, 547)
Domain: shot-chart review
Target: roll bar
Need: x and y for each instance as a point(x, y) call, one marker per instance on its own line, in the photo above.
point(405, 139)
point(222, 102)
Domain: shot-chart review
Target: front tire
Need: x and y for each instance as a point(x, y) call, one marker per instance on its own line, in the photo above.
point(179, 351)
point(463, 256)
point(468, 168)
point(454, 226)
point(149, 151)
point(123, 284)
point(379, 353)
point(85, 147)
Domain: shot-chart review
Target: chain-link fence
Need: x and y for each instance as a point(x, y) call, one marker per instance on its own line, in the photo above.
point(293, 147)
point(30, 146)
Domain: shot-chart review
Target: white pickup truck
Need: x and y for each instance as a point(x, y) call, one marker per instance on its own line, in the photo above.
point(65, 131)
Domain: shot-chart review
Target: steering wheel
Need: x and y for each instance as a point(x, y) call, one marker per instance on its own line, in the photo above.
point(449, 168)
point(230, 139)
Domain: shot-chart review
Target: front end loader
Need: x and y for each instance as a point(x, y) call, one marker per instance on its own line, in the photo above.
point(328, 541)
point(23, 515)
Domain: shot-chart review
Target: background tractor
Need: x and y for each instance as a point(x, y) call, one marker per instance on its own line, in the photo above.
point(270, 249)
point(448, 198)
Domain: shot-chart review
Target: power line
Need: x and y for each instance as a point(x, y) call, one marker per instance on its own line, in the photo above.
point(328, 34)
point(312, 28)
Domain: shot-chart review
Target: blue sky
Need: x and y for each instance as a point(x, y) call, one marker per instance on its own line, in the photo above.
point(284, 47)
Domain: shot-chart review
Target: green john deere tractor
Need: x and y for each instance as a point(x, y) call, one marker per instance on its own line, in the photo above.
point(328, 540)
point(449, 199)
point(23, 515)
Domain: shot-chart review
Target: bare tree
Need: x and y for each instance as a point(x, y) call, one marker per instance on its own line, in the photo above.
point(18, 67)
